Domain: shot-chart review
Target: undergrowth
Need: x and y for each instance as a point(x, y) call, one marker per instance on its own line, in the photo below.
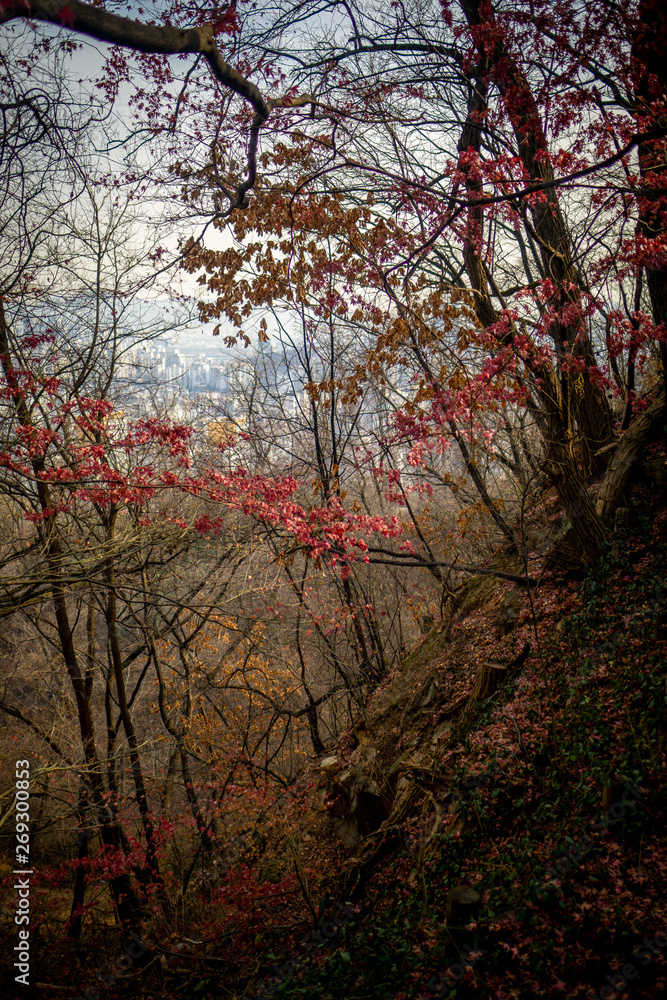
point(567, 888)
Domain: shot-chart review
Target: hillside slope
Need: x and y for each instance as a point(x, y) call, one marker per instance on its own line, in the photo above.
point(519, 753)
point(492, 826)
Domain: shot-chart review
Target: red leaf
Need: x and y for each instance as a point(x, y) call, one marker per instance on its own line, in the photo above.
point(66, 16)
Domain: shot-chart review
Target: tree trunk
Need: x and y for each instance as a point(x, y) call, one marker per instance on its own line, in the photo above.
point(650, 72)
point(583, 542)
point(583, 403)
point(128, 725)
point(555, 418)
point(127, 903)
point(79, 893)
point(627, 454)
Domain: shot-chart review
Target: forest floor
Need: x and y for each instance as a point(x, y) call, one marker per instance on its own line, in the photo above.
point(520, 754)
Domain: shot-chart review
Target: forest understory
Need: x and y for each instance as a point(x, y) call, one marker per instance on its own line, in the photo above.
point(518, 752)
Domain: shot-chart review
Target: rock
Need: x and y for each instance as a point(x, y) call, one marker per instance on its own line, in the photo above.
point(427, 623)
point(440, 731)
point(508, 614)
point(425, 695)
point(355, 783)
point(402, 785)
point(357, 803)
point(329, 764)
point(347, 832)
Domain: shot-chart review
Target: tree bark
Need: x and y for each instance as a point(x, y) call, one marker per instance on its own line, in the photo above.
point(581, 402)
point(650, 72)
point(138, 36)
point(128, 725)
point(127, 904)
point(555, 417)
point(627, 454)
